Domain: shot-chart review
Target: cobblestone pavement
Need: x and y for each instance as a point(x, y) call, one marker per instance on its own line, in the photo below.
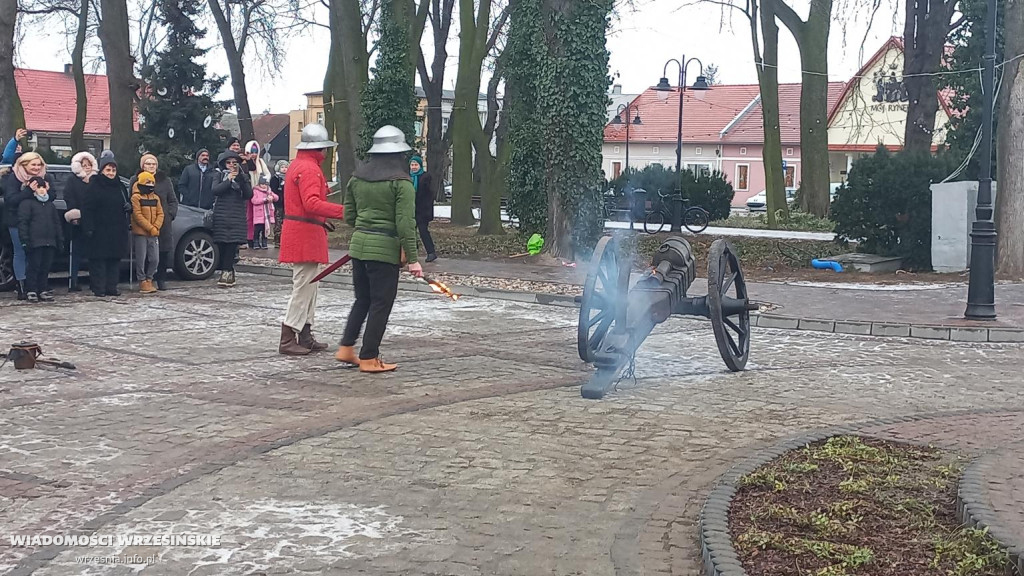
point(477, 457)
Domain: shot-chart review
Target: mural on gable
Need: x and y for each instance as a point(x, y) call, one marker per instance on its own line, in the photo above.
point(889, 89)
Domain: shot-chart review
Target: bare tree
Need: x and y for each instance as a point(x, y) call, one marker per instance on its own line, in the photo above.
point(928, 24)
point(1010, 148)
point(11, 114)
point(438, 137)
point(78, 69)
point(346, 77)
point(121, 81)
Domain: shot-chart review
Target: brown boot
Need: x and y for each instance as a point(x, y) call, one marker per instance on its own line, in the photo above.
point(306, 340)
point(290, 343)
point(375, 365)
point(347, 354)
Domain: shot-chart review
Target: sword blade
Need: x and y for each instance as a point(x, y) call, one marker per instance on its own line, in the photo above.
point(338, 264)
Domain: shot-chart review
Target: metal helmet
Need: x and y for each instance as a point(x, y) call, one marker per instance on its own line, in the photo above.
point(314, 137)
point(388, 140)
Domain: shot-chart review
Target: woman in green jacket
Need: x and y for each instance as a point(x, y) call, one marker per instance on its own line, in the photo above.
point(380, 204)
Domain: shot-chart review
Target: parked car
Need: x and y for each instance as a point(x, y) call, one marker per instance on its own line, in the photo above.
point(194, 253)
point(759, 202)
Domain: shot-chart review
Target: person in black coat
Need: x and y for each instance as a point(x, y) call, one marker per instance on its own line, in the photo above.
point(39, 229)
point(83, 166)
point(233, 191)
point(105, 223)
point(195, 182)
point(421, 180)
point(277, 186)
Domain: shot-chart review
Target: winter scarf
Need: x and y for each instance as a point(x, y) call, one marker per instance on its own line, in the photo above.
point(416, 175)
point(19, 167)
point(76, 165)
point(384, 167)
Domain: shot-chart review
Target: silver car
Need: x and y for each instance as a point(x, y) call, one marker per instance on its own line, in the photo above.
point(194, 253)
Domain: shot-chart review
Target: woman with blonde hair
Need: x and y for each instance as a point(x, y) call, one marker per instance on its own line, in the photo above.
point(28, 176)
point(83, 165)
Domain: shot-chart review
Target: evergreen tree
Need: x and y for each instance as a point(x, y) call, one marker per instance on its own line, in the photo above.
point(390, 96)
point(180, 95)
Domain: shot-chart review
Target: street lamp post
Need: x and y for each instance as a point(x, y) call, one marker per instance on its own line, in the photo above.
point(981, 292)
point(636, 120)
point(664, 88)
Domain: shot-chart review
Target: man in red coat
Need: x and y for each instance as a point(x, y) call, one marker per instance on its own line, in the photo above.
point(304, 238)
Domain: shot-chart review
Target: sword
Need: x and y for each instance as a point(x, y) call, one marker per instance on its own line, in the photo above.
point(340, 262)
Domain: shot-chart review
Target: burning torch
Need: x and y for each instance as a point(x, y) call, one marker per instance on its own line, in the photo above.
point(436, 285)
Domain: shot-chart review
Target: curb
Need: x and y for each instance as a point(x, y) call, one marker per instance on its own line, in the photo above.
point(972, 510)
point(762, 320)
point(718, 556)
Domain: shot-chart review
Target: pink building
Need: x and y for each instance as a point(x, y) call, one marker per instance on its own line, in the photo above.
point(722, 130)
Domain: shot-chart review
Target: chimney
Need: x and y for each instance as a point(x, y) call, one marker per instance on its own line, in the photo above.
point(617, 89)
point(67, 69)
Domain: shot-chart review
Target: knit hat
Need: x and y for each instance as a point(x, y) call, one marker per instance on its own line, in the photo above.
point(264, 179)
point(232, 140)
point(146, 179)
point(107, 157)
point(142, 161)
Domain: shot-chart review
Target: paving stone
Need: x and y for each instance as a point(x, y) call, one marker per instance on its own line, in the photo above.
point(772, 321)
point(858, 327)
point(930, 332)
point(817, 325)
point(882, 329)
point(968, 334)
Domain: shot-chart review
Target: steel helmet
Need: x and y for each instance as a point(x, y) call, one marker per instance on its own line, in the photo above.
point(314, 137)
point(388, 140)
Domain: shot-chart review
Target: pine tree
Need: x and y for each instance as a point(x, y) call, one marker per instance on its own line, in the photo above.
point(390, 96)
point(180, 94)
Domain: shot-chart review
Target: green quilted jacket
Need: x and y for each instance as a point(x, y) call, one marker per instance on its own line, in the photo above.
point(383, 215)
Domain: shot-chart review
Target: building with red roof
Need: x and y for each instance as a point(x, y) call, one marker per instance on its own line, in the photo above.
point(49, 101)
point(722, 127)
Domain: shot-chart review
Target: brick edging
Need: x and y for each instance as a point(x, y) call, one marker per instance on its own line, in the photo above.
point(719, 558)
point(972, 510)
point(850, 327)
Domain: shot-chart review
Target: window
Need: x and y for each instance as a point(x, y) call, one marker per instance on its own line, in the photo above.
point(419, 128)
point(616, 150)
point(319, 117)
point(698, 151)
point(743, 151)
point(790, 176)
point(698, 168)
point(299, 127)
point(616, 169)
point(655, 150)
point(789, 151)
point(742, 176)
point(444, 123)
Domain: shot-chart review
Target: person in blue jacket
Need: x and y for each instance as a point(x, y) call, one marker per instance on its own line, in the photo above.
point(11, 150)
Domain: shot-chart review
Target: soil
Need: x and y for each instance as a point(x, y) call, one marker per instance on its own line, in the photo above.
point(857, 506)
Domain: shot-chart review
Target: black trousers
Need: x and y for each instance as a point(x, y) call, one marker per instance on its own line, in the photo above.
point(103, 275)
point(228, 255)
point(38, 269)
point(376, 285)
point(259, 235)
point(161, 268)
point(428, 242)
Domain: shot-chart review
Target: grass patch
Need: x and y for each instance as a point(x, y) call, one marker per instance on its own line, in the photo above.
point(854, 506)
point(798, 221)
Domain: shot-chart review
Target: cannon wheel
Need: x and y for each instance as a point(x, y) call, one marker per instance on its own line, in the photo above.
point(730, 318)
point(603, 305)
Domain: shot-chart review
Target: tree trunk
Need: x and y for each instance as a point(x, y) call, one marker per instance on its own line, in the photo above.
point(924, 39)
point(492, 168)
point(767, 61)
point(121, 81)
point(12, 116)
point(438, 139)
point(812, 39)
point(1010, 149)
point(473, 29)
point(237, 69)
point(347, 74)
point(81, 101)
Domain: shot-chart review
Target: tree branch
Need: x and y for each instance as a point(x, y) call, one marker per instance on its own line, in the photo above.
point(499, 26)
point(788, 17)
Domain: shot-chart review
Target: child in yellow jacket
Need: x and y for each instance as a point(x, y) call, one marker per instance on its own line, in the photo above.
point(147, 218)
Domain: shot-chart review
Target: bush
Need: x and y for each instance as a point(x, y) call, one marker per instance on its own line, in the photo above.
point(886, 205)
point(709, 191)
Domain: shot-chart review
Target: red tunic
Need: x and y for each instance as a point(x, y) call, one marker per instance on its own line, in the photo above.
point(305, 196)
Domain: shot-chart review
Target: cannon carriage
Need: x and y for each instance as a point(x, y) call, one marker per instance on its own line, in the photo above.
point(615, 319)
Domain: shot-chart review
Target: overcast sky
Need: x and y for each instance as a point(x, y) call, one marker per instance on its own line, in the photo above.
point(643, 37)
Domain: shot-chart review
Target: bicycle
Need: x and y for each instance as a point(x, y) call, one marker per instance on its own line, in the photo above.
point(695, 218)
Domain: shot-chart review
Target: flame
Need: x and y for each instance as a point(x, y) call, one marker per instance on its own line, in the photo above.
point(441, 288)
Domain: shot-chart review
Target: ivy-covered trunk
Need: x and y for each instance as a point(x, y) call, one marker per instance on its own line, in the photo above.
point(390, 96)
point(766, 59)
point(121, 81)
point(11, 114)
point(77, 68)
point(346, 78)
point(812, 39)
point(1010, 150)
point(560, 67)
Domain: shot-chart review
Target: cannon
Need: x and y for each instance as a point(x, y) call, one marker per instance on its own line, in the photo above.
point(615, 320)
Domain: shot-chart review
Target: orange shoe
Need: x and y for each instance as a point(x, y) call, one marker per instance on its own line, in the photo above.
point(375, 366)
point(347, 354)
